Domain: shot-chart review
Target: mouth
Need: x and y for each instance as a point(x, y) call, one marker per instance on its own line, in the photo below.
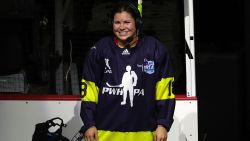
point(123, 33)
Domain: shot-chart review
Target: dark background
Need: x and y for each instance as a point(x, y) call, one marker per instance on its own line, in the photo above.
point(222, 66)
point(221, 49)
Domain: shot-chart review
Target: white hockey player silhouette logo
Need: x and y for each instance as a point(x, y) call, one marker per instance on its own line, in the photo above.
point(107, 66)
point(107, 63)
point(129, 80)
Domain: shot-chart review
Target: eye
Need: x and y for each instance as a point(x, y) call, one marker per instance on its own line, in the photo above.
point(116, 22)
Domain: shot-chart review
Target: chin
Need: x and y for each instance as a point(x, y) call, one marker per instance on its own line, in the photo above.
point(123, 38)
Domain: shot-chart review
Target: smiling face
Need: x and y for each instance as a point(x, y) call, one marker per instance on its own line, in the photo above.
point(124, 26)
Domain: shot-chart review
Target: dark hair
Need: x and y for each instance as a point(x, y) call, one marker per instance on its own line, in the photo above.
point(130, 8)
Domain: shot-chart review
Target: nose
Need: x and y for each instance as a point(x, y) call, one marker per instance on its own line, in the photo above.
point(122, 26)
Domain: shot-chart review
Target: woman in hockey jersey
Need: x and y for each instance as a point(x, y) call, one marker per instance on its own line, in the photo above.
point(127, 64)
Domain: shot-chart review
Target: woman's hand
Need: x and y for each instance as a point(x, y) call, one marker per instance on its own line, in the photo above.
point(161, 134)
point(91, 134)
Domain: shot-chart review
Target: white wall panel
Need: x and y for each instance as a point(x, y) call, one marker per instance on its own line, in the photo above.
point(18, 118)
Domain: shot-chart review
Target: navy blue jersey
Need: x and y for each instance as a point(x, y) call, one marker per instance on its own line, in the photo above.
point(127, 92)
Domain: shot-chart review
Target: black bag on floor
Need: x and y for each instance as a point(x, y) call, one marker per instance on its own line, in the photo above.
point(42, 132)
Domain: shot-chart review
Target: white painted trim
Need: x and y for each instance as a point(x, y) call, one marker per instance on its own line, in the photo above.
point(190, 63)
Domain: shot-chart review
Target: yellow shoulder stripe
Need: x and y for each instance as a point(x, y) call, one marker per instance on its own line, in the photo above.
point(164, 89)
point(89, 91)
